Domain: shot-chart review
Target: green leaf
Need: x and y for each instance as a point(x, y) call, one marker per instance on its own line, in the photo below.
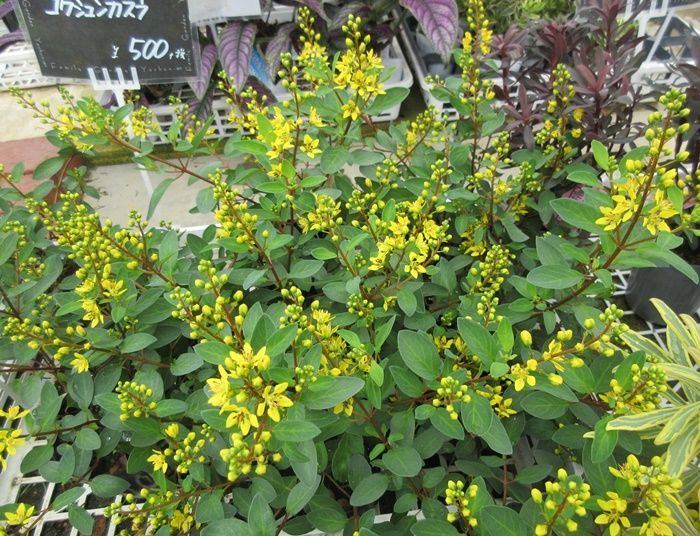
point(305, 268)
point(600, 153)
point(433, 527)
point(376, 373)
point(578, 214)
point(544, 405)
point(210, 507)
point(403, 461)
point(327, 520)
point(420, 354)
point(137, 341)
point(108, 486)
point(87, 439)
point(245, 147)
point(300, 495)
point(35, 458)
point(585, 177)
point(391, 98)
point(157, 195)
point(8, 246)
point(310, 182)
point(67, 498)
point(295, 431)
point(260, 517)
point(481, 342)
point(185, 364)
point(227, 527)
point(533, 473)
point(323, 254)
point(333, 159)
point(49, 168)
point(212, 352)
point(80, 519)
point(501, 521)
point(280, 340)
point(604, 442)
point(369, 490)
point(328, 392)
point(170, 407)
point(271, 187)
point(477, 415)
point(407, 301)
point(441, 420)
point(407, 382)
point(554, 277)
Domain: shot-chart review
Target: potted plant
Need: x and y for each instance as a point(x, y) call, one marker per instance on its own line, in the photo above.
point(380, 323)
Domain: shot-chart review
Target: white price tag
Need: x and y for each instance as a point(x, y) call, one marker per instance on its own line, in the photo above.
point(204, 11)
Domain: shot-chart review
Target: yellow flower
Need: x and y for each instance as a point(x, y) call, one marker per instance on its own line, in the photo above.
point(173, 430)
point(521, 375)
point(182, 519)
point(19, 516)
point(578, 115)
point(113, 289)
point(159, 461)
point(655, 220)
point(240, 364)
point(9, 441)
point(241, 417)
point(310, 147)
point(92, 312)
point(221, 389)
point(614, 509)
point(346, 407)
point(351, 110)
point(272, 400)
point(80, 363)
point(13, 413)
point(315, 119)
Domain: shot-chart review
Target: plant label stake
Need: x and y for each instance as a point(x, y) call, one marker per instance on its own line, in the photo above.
point(118, 87)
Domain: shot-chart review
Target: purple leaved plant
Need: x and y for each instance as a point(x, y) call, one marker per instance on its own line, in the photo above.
point(235, 48)
point(200, 85)
point(439, 20)
point(281, 42)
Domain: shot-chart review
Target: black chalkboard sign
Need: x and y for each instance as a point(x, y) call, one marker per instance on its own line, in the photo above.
point(70, 36)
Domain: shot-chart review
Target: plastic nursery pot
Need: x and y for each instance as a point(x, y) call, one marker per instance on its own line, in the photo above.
point(666, 284)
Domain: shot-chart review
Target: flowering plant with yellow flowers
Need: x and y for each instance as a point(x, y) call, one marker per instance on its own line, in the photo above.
point(402, 320)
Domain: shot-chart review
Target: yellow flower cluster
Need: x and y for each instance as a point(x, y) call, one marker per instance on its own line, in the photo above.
point(135, 400)
point(414, 239)
point(324, 217)
point(650, 486)
point(457, 496)
point(475, 45)
point(358, 69)
point(151, 510)
point(184, 451)
point(561, 126)
point(486, 278)
point(240, 391)
point(313, 56)
point(451, 392)
point(645, 394)
point(631, 192)
point(215, 313)
point(563, 499)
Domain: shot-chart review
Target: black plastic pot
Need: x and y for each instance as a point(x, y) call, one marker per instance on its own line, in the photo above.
point(666, 284)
